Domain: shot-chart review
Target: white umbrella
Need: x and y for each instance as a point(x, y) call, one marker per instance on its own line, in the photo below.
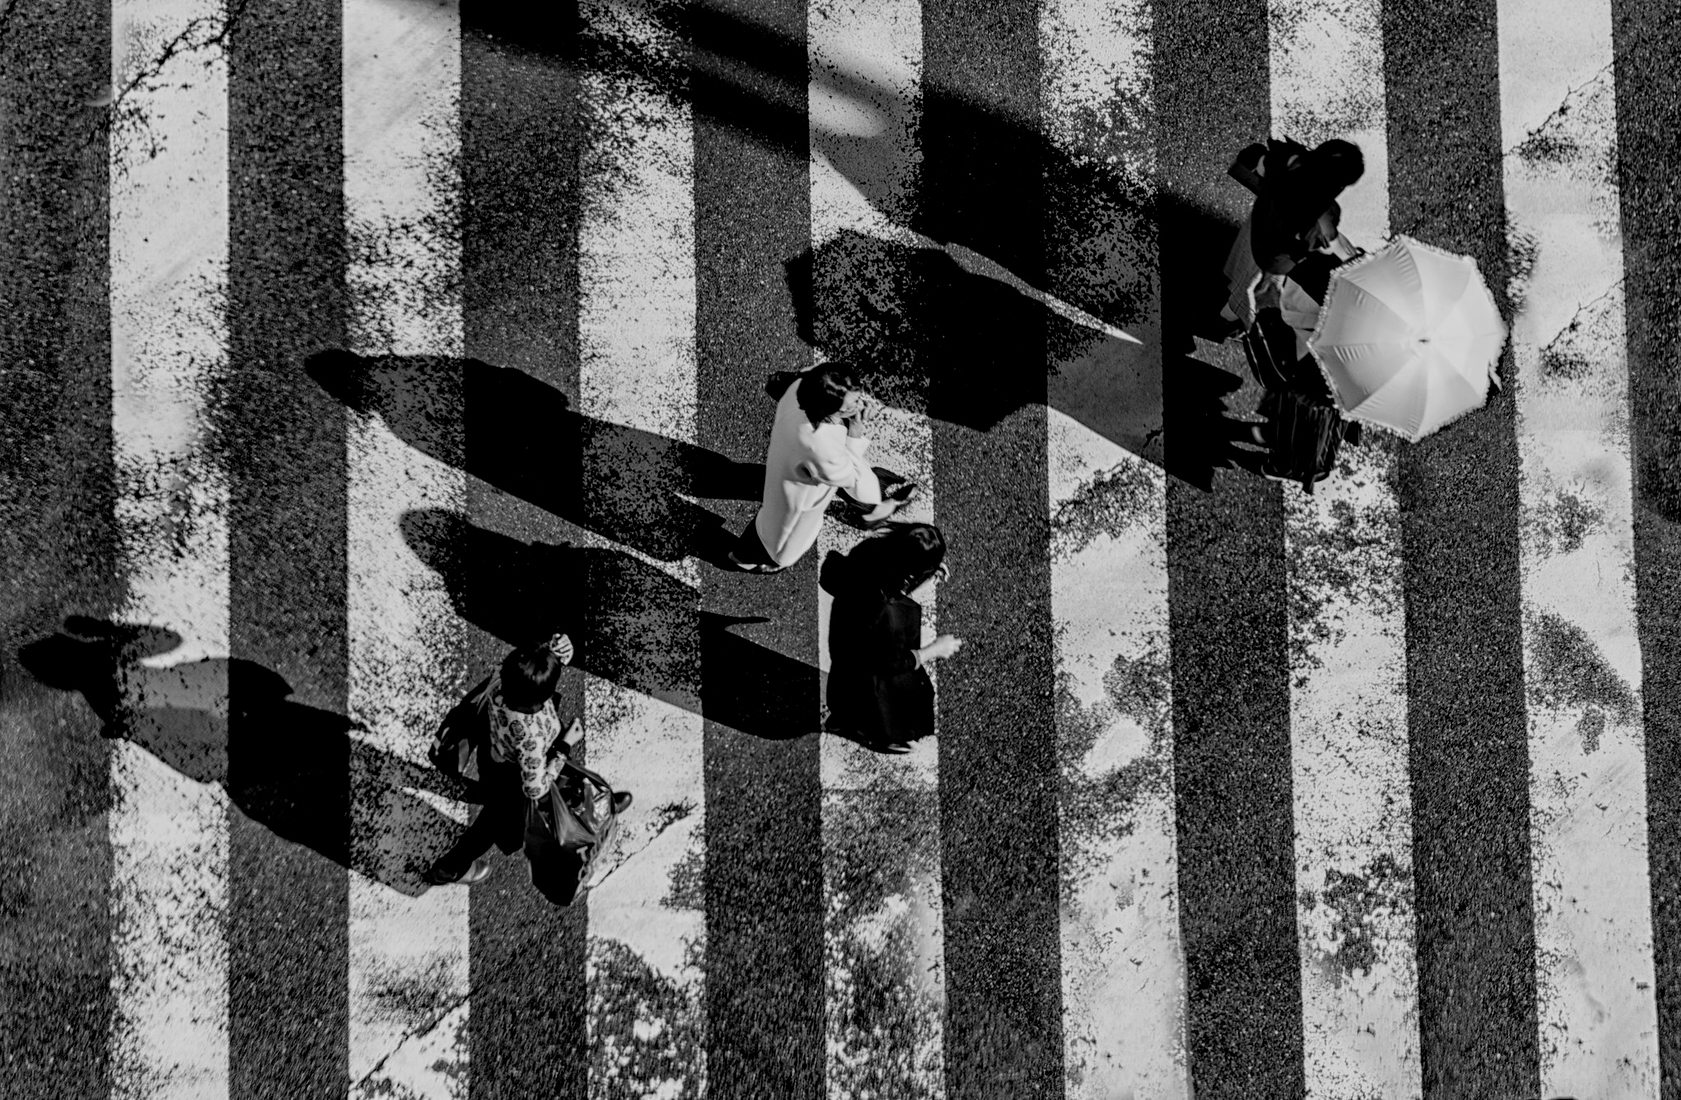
point(1409, 337)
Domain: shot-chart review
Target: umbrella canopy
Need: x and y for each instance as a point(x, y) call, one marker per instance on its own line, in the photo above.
point(1409, 337)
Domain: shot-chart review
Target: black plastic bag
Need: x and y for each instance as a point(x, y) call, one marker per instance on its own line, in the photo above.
point(567, 831)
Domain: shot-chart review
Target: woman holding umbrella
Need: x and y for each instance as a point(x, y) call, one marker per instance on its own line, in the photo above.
point(1409, 338)
point(1292, 231)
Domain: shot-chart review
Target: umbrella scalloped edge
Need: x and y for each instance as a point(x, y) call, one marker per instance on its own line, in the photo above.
point(1341, 270)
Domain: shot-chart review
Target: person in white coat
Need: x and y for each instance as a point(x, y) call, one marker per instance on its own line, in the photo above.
point(817, 446)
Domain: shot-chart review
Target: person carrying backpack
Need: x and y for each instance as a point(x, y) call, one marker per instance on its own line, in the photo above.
point(514, 734)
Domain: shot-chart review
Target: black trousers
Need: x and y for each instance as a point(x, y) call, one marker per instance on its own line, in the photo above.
point(749, 547)
point(501, 821)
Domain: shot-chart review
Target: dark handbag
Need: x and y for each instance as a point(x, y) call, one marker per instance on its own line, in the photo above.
point(566, 833)
point(1304, 437)
point(461, 735)
point(1270, 347)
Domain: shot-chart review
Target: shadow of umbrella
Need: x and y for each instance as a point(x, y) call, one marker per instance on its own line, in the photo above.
point(232, 722)
point(926, 335)
point(633, 624)
point(523, 437)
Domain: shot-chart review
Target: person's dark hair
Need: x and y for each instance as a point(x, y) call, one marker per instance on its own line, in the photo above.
point(529, 677)
point(1337, 163)
point(823, 390)
point(907, 555)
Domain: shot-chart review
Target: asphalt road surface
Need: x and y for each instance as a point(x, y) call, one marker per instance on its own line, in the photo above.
point(343, 346)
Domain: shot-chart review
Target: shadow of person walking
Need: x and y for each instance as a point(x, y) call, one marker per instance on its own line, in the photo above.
point(926, 335)
point(633, 624)
point(524, 437)
point(1114, 235)
point(232, 722)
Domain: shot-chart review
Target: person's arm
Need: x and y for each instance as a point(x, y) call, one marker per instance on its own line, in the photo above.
point(564, 743)
point(561, 646)
point(897, 650)
point(834, 460)
point(858, 427)
point(533, 734)
point(1246, 167)
point(537, 737)
point(939, 649)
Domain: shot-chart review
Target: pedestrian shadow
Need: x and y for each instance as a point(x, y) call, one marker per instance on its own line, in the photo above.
point(231, 722)
point(927, 335)
point(524, 437)
point(962, 347)
point(632, 623)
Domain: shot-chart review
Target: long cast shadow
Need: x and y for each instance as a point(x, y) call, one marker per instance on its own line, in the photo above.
point(523, 437)
point(756, 81)
point(926, 335)
point(294, 762)
point(632, 623)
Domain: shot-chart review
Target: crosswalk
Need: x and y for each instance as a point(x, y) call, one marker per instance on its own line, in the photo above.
point(1238, 792)
point(1348, 696)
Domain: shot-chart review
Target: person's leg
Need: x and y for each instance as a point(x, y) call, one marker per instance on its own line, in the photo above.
point(749, 551)
point(462, 859)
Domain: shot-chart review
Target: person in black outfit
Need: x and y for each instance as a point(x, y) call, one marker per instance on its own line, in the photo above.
point(1295, 197)
point(879, 692)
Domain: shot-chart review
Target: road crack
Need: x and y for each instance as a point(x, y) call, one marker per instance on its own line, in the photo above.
point(490, 979)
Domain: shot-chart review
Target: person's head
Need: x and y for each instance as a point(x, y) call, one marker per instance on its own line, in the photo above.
point(911, 553)
point(530, 675)
point(826, 391)
point(1338, 163)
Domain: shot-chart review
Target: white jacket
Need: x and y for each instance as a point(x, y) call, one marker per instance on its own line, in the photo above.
point(804, 465)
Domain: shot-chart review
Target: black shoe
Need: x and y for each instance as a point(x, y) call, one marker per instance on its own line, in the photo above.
point(621, 801)
point(752, 566)
point(477, 872)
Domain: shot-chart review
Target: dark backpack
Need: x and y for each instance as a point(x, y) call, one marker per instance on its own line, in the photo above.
point(461, 735)
point(567, 831)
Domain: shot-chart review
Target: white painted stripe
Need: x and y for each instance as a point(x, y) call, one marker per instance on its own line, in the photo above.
point(1348, 703)
point(879, 949)
point(408, 948)
point(636, 334)
point(1593, 935)
point(878, 47)
point(1123, 966)
point(1327, 82)
point(169, 834)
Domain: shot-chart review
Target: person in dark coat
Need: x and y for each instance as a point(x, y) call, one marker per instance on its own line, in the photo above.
point(1295, 197)
point(879, 692)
